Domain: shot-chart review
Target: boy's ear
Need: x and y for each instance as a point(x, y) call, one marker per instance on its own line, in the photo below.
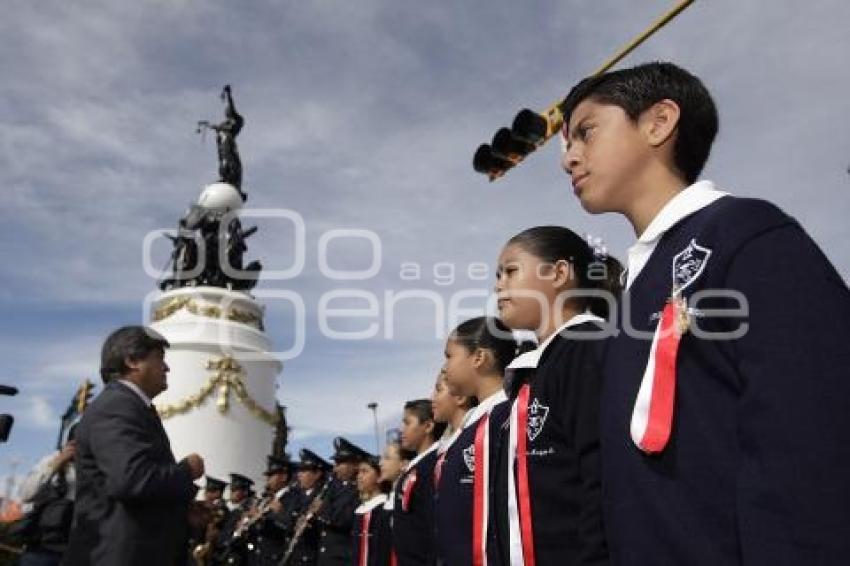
point(659, 121)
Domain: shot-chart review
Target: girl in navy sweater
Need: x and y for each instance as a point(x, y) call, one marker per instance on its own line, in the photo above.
point(546, 504)
point(476, 354)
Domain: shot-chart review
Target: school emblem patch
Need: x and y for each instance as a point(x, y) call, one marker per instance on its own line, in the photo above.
point(537, 414)
point(469, 458)
point(688, 265)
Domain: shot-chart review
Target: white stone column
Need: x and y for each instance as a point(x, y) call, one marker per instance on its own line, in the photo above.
point(220, 400)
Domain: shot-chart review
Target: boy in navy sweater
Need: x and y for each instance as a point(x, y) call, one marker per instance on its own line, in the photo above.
point(725, 419)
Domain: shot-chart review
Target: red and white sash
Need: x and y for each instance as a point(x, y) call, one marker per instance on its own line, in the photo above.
point(652, 417)
point(366, 511)
point(480, 490)
point(519, 492)
point(521, 545)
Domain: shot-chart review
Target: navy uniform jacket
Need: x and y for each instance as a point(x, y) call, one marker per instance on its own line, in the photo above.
point(132, 498)
point(336, 519)
point(413, 519)
point(274, 531)
point(376, 551)
point(756, 470)
point(455, 495)
point(230, 548)
point(563, 452)
point(306, 550)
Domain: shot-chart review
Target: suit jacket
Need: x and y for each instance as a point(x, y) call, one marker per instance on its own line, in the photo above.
point(132, 497)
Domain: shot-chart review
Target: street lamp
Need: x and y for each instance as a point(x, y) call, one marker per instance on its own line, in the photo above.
point(374, 407)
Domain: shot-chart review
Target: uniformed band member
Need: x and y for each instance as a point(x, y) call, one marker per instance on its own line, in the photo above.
point(725, 422)
point(204, 536)
point(214, 491)
point(413, 507)
point(371, 546)
point(336, 517)
point(275, 518)
point(313, 480)
point(230, 548)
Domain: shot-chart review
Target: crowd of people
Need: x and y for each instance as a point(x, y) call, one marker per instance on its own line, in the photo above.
point(690, 409)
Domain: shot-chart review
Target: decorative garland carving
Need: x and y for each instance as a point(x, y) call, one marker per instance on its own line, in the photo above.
point(227, 378)
point(211, 311)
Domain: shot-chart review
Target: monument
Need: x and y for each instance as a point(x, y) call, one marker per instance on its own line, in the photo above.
point(220, 400)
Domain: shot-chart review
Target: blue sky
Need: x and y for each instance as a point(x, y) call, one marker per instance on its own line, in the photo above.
point(358, 115)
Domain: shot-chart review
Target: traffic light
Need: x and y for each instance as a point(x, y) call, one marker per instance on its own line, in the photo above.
point(510, 146)
point(530, 129)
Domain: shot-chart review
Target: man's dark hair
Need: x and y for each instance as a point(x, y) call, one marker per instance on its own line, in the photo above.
point(638, 88)
point(133, 342)
point(422, 410)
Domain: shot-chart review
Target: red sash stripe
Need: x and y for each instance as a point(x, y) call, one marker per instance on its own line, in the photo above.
point(660, 422)
point(523, 494)
point(407, 490)
point(364, 539)
point(479, 486)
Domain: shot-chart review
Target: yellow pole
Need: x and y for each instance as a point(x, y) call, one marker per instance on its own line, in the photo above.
point(656, 25)
point(553, 115)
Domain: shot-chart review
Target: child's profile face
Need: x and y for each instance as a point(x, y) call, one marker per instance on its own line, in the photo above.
point(391, 463)
point(605, 156)
point(367, 479)
point(458, 369)
point(525, 289)
point(442, 402)
point(413, 431)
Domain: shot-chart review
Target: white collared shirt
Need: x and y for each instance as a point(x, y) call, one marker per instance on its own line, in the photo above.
point(419, 457)
point(532, 358)
point(691, 199)
point(367, 506)
point(483, 408)
point(137, 390)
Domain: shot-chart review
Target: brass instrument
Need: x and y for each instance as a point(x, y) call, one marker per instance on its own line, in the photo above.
point(202, 552)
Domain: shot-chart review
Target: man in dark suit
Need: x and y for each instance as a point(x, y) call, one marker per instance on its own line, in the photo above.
point(132, 497)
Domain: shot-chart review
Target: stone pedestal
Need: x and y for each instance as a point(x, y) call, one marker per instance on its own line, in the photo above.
point(220, 400)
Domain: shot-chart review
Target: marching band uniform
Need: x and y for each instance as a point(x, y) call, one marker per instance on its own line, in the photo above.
point(545, 477)
point(461, 485)
point(413, 512)
point(206, 535)
point(739, 446)
point(370, 520)
point(274, 530)
point(228, 549)
point(306, 550)
point(337, 515)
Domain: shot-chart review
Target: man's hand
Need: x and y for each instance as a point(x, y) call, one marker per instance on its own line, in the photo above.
point(276, 506)
point(196, 465)
point(66, 454)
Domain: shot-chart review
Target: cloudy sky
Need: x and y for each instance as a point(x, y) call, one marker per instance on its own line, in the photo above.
point(359, 115)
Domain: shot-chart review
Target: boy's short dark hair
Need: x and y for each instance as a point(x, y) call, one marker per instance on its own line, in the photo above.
point(134, 342)
point(638, 88)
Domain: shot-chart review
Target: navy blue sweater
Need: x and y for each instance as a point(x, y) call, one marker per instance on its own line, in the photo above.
point(413, 524)
point(757, 470)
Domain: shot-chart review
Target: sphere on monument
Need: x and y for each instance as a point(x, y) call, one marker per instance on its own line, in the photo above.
point(220, 197)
